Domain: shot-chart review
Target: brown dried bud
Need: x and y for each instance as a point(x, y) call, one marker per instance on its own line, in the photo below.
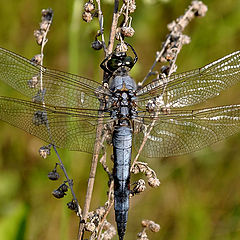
point(32, 83)
point(39, 36)
point(44, 25)
point(89, 6)
point(185, 39)
point(44, 151)
point(200, 7)
point(145, 223)
point(142, 236)
point(153, 182)
point(127, 31)
point(100, 211)
point(90, 227)
point(109, 232)
point(118, 34)
point(132, 5)
point(37, 59)
point(139, 187)
point(171, 25)
point(87, 16)
point(121, 47)
point(47, 14)
point(154, 227)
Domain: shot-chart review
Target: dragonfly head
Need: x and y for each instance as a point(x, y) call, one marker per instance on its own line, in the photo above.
point(119, 60)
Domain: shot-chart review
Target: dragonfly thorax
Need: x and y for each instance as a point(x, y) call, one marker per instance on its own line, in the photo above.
point(123, 95)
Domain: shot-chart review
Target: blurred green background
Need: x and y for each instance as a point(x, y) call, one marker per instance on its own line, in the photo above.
point(199, 197)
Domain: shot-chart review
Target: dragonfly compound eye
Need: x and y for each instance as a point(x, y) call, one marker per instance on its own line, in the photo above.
point(113, 64)
point(128, 61)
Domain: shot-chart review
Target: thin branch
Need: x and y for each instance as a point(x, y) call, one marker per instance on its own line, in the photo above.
point(41, 37)
point(110, 202)
point(101, 25)
point(113, 28)
point(97, 147)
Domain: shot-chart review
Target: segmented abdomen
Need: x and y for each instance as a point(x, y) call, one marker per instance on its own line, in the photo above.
point(122, 147)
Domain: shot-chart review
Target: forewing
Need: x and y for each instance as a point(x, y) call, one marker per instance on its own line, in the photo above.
point(73, 129)
point(59, 88)
point(195, 86)
point(182, 132)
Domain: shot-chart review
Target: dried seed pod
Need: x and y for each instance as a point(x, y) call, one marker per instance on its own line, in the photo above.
point(142, 236)
point(139, 187)
point(100, 211)
point(90, 227)
point(154, 227)
point(58, 193)
point(47, 14)
point(132, 6)
point(127, 31)
point(97, 45)
point(200, 7)
point(72, 205)
point(64, 187)
point(87, 16)
point(32, 83)
point(118, 34)
point(53, 175)
point(185, 39)
point(122, 47)
point(39, 36)
point(44, 25)
point(89, 6)
point(153, 182)
point(44, 151)
point(109, 232)
point(37, 59)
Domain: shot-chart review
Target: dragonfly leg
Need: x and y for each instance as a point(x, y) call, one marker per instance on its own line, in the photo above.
point(134, 52)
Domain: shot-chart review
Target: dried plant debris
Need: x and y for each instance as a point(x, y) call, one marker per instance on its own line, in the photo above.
point(142, 167)
point(109, 231)
point(45, 151)
point(139, 186)
point(61, 191)
point(88, 14)
point(40, 34)
point(147, 225)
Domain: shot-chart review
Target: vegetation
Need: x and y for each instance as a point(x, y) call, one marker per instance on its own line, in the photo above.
point(198, 197)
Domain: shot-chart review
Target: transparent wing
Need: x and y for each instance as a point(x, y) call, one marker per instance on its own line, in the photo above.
point(195, 86)
point(59, 88)
point(70, 128)
point(182, 132)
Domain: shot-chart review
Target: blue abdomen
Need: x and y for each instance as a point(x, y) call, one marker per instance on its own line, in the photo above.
point(122, 147)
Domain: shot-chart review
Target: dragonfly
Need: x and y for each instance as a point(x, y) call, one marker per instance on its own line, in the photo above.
point(63, 110)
